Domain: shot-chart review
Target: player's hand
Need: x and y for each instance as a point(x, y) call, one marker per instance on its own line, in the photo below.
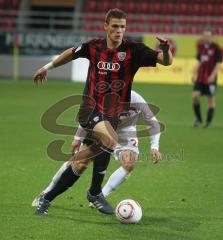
point(211, 79)
point(40, 76)
point(75, 145)
point(156, 155)
point(164, 44)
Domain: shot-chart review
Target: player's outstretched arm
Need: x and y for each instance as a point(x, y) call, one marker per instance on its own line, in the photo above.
point(164, 57)
point(41, 74)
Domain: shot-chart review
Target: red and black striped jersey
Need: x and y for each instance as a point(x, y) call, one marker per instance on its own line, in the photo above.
point(208, 56)
point(111, 72)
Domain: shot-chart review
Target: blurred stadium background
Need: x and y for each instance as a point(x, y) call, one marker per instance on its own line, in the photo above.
point(37, 30)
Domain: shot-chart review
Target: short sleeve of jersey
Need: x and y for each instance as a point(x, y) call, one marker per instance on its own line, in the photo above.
point(145, 56)
point(81, 52)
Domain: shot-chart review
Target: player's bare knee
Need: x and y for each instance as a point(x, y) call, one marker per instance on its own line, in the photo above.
point(128, 167)
point(109, 142)
point(196, 97)
point(128, 159)
point(112, 143)
point(211, 105)
point(105, 133)
point(80, 165)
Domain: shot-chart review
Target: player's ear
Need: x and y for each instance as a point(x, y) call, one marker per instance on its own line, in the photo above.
point(105, 26)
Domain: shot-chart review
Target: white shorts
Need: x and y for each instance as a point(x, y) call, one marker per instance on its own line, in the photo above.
point(131, 144)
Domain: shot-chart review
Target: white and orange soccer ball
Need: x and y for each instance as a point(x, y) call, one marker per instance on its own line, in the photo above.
point(128, 211)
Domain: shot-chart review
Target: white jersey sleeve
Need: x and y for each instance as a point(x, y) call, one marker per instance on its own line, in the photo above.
point(80, 134)
point(141, 106)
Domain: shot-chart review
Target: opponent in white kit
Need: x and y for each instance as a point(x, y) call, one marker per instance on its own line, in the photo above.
point(127, 150)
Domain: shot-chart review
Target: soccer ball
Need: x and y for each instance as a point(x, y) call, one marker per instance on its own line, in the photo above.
point(128, 211)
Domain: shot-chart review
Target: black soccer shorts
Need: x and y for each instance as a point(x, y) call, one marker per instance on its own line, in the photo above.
point(88, 118)
point(205, 89)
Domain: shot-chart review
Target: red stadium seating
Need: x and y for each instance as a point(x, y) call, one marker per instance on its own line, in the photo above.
point(195, 10)
point(163, 16)
point(170, 8)
point(91, 6)
point(145, 8)
point(118, 4)
point(103, 6)
point(15, 4)
point(157, 7)
point(131, 7)
point(8, 13)
point(9, 4)
point(154, 20)
point(181, 9)
point(207, 9)
point(167, 29)
point(167, 16)
point(219, 31)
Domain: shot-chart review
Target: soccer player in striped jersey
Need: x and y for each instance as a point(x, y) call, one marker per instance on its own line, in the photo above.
point(126, 152)
point(113, 64)
point(205, 77)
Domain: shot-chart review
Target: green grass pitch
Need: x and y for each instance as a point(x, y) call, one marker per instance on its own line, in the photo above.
point(181, 197)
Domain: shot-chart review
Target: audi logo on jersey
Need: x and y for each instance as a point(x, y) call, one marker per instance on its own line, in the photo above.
point(108, 66)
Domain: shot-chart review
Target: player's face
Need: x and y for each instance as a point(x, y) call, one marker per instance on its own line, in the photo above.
point(207, 37)
point(115, 29)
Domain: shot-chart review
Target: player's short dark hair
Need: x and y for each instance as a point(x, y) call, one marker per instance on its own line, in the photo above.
point(114, 13)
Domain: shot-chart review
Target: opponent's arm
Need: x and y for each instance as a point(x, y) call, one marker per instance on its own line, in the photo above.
point(153, 127)
point(63, 58)
point(164, 57)
point(154, 134)
point(154, 151)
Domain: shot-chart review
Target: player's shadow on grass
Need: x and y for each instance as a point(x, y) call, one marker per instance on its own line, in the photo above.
point(184, 224)
point(157, 227)
point(94, 220)
point(173, 227)
point(90, 216)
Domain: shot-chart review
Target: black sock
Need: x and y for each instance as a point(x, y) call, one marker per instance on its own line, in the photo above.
point(100, 164)
point(210, 114)
point(197, 111)
point(67, 179)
